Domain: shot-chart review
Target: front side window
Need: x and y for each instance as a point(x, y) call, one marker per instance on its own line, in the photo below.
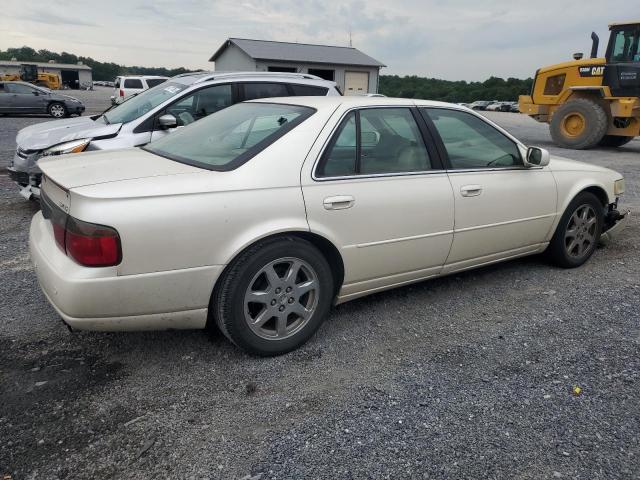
point(376, 141)
point(142, 103)
point(626, 45)
point(264, 90)
point(133, 83)
point(201, 103)
point(18, 88)
point(229, 138)
point(471, 142)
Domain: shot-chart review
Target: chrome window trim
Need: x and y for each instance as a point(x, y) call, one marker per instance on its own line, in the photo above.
point(492, 169)
point(314, 169)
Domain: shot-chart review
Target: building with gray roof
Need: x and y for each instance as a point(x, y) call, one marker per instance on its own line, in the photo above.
point(73, 75)
point(354, 71)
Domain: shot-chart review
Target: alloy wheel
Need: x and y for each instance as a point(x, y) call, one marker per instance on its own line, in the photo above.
point(57, 111)
point(281, 298)
point(580, 235)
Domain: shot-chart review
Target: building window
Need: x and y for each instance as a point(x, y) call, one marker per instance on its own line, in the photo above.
point(322, 73)
point(282, 69)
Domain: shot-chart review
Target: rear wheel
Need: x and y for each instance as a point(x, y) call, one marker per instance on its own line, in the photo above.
point(57, 110)
point(273, 297)
point(580, 124)
point(614, 141)
point(578, 231)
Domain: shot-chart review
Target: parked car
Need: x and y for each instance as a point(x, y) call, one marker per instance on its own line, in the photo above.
point(499, 107)
point(480, 105)
point(515, 107)
point(22, 97)
point(151, 115)
point(261, 216)
point(127, 86)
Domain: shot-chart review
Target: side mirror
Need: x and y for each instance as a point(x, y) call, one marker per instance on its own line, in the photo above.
point(537, 157)
point(167, 121)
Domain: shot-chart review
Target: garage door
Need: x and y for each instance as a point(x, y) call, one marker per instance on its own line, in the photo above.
point(356, 83)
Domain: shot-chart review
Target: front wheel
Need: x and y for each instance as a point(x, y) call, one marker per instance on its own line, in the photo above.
point(578, 231)
point(57, 110)
point(274, 297)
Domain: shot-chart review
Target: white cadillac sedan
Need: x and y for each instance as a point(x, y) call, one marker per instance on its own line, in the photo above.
point(261, 216)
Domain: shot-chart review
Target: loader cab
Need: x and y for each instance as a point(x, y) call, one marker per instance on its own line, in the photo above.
point(622, 73)
point(28, 73)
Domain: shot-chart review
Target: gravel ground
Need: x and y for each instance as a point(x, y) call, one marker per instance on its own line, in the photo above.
point(468, 376)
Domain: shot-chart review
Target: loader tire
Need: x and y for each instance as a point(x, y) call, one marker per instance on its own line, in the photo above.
point(614, 141)
point(579, 124)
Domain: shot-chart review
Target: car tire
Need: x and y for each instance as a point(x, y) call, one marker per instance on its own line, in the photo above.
point(261, 311)
point(578, 232)
point(579, 124)
point(614, 141)
point(57, 110)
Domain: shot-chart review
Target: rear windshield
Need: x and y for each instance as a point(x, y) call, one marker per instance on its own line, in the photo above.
point(143, 102)
point(228, 138)
point(152, 82)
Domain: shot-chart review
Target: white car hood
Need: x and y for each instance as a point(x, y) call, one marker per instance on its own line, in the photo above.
point(47, 134)
point(91, 168)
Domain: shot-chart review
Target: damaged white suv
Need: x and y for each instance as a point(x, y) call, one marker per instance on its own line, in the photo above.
point(150, 115)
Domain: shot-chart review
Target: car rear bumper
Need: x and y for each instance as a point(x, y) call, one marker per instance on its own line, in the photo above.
point(100, 299)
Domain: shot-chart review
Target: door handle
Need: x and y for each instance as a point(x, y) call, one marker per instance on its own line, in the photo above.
point(471, 190)
point(339, 202)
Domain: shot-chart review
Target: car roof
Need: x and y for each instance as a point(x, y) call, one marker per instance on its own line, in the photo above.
point(141, 76)
point(357, 101)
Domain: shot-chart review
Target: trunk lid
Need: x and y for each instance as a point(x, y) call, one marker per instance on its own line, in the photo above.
point(91, 168)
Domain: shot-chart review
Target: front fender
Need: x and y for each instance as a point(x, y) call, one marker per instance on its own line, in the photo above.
point(569, 186)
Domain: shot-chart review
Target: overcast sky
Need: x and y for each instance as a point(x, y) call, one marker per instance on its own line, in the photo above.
point(456, 39)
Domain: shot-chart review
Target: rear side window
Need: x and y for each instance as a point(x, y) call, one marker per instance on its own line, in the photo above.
point(264, 90)
point(152, 82)
point(376, 141)
point(340, 158)
point(132, 83)
point(471, 142)
point(309, 90)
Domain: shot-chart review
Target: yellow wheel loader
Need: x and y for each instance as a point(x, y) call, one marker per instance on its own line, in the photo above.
point(29, 73)
point(594, 101)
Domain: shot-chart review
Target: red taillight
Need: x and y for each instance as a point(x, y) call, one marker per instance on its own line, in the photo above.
point(58, 233)
point(87, 243)
point(121, 93)
point(92, 245)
